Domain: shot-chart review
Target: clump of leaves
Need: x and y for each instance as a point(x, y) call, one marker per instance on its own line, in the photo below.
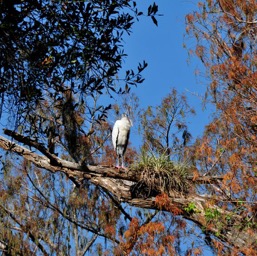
point(212, 214)
point(161, 175)
point(191, 208)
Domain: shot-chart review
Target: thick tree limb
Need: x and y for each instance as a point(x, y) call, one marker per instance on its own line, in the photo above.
point(58, 162)
point(119, 184)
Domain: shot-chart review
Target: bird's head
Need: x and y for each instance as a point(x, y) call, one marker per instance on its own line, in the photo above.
point(125, 116)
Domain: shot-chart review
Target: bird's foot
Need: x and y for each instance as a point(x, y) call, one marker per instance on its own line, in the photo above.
point(121, 168)
point(124, 168)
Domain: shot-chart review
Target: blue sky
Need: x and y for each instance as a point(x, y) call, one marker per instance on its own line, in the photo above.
point(168, 63)
point(169, 66)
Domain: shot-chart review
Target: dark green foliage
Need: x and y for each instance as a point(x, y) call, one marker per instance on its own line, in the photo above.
point(50, 46)
point(51, 49)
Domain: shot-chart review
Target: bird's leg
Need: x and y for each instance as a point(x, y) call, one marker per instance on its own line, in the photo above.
point(117, 163)
point(122, 163)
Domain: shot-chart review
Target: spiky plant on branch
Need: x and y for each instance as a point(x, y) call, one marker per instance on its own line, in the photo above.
point(161, 175)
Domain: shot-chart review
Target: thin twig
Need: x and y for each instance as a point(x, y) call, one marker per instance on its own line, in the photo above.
point(89, 244)
point(118, 205)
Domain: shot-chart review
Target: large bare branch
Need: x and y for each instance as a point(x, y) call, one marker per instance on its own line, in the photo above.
point(120, 183)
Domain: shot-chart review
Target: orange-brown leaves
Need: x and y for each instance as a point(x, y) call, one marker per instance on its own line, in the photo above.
point(254, 119)
point(110, 230)
point(109, 157)
point(152, 228)
point(219, 247)
point(249, 251)
point(229, 145)
point(131, 235)
point(197, 251)
point(131, 155)
point(200, 52)
point(148, 239)
point(190, 18)
point(227, 30)
point(163, 202)
point(227, 6)
point(235, 186)
point(133, 229)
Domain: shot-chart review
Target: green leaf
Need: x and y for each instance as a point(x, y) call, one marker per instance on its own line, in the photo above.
point(154, 20)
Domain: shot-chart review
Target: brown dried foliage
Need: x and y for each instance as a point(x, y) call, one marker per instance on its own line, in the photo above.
point(225, 33)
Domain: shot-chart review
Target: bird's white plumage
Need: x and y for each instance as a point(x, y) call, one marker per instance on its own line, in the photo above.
point(120, 136)
point(120, 133)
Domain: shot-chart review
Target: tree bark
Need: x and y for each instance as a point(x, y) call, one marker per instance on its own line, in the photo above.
point(120, 184)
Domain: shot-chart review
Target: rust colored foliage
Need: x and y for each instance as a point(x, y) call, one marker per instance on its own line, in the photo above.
point(225, 33)
point(163, 202)
point(148, 239)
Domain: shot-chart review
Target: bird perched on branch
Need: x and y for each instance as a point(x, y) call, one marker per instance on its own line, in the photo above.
point(120, 138)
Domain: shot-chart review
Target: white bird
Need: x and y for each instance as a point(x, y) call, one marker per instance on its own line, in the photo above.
point(120, 138)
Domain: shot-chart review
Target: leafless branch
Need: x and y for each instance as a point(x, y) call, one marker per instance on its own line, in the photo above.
point(116, 183)
point(89, 244)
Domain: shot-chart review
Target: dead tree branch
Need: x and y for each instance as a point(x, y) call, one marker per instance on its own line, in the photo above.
point(119, 185)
